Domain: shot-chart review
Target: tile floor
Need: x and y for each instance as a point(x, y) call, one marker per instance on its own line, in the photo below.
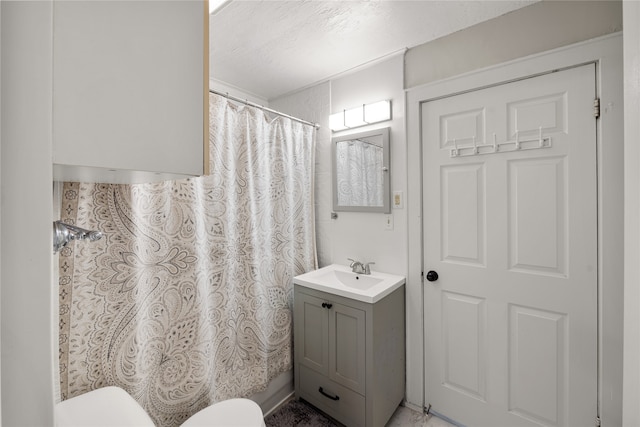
point(405, 417)
point(299, 413)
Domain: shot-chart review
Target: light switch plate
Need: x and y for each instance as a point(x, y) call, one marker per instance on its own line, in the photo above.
point(388, 222)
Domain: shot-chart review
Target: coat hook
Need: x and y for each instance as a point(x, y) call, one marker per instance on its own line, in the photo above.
point(540, 141)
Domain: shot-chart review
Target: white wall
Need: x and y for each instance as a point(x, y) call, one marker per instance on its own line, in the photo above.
point(26, 245)
point(631, 391)
point(536, 28)
point(357, 235)
point(363, 236)
point(0, 214)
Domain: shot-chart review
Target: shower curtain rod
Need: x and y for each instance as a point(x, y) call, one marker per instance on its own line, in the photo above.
point(244, 101)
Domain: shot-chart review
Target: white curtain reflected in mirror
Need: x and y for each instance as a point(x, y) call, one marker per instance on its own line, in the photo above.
point(361, 171)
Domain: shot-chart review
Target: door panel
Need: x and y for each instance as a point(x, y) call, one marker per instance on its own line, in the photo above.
point(463, 222)
point(537, 196)
point(510, 226)
point(546, 113)
point(464, 338)
point(462, 128)
point(537, 338)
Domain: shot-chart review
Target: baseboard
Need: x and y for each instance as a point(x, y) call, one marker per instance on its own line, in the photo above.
point(279, 391)
point(280, 404)
point(413, 407)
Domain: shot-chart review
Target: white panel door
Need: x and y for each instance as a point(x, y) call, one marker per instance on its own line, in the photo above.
point(510, 229)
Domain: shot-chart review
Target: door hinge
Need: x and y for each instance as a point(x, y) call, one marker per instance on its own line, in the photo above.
point(597, 421)
point(596, 108)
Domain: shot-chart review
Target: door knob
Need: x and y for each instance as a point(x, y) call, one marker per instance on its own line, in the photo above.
point(432, 276)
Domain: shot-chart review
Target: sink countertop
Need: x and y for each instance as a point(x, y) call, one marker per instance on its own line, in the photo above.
point(340, 280)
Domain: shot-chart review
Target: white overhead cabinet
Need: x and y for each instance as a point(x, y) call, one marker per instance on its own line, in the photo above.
point(130, 90)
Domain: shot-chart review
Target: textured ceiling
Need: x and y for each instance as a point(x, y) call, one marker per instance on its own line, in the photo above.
point(273, 47)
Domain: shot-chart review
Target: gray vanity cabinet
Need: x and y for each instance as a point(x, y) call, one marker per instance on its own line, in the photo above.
point(350, 355)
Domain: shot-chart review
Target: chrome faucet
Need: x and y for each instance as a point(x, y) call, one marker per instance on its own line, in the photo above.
point(359, 267)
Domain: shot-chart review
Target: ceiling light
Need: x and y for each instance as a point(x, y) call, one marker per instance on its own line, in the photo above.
point(365, 114)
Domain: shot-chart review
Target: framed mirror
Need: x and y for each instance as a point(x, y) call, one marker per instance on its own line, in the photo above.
point(361, 172)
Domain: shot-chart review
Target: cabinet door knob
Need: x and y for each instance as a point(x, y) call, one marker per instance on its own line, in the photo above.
point(327, 305)
point(325, 394)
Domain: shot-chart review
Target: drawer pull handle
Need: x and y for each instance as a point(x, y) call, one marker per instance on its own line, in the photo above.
point(328, 395)
point(327, 305)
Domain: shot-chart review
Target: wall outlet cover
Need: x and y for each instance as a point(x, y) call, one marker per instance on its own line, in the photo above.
point(398, 200)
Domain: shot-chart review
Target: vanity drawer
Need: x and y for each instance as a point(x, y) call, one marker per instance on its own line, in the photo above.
point(349, 408)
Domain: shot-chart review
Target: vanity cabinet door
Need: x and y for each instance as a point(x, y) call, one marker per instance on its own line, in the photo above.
point(312, 333)
point(347, 347)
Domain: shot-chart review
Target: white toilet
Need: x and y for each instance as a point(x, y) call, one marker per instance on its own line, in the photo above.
point(104, 407)
point(112, 406)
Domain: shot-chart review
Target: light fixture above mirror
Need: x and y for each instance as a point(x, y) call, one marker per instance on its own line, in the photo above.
point(365, 114)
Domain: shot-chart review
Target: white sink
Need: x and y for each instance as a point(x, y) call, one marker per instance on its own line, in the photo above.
point(339, 280)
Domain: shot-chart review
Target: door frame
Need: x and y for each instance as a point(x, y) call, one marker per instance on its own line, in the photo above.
point(606, 53)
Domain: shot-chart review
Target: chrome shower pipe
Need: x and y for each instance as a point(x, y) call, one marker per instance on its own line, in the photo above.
point(64, 233)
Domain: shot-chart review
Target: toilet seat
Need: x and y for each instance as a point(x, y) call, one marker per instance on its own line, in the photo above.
point(112, 406)
point(228, 413)
point(104, 407)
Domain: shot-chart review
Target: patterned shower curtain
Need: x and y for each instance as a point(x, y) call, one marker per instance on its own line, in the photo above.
point(187, 299)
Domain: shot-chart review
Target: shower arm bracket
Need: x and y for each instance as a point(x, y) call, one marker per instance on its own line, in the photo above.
point(64, 233)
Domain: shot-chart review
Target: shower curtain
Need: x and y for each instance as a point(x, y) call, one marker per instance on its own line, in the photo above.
point(187, 299)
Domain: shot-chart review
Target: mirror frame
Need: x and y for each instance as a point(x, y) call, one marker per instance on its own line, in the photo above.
point(386, 208)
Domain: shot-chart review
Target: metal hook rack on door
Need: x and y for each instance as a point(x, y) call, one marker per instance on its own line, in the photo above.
point(500, 147)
